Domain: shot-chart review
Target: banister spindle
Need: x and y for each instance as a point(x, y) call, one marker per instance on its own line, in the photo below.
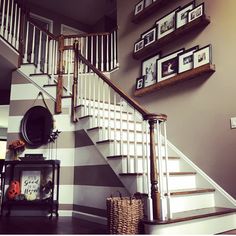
point(7, 18)
point(26, 43)
point(97, 51)
point(3, 16)
point(102, 52)
point(11, 22)
point(39, 53)
point(112, 48)
point(14, 27)
point(33, 46)
point(115, 48)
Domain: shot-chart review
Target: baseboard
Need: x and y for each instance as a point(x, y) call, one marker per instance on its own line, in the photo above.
point(93, 218)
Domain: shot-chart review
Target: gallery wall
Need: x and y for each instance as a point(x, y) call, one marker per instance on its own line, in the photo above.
point(198, 110)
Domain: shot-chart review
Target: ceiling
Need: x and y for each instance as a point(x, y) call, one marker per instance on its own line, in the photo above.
point(84, 11)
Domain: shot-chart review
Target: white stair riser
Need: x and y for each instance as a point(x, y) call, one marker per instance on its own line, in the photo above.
point(51, 90)
point(27, 69)
point(40, 80)
point(192, 202)
point(66, 102)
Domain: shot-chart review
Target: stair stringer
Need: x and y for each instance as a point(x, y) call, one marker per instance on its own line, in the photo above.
point(222, 198)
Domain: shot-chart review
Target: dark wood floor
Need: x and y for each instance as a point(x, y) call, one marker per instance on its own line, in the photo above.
point(43, 225)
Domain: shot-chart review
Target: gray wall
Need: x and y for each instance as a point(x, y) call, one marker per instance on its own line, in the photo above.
point(199, 110)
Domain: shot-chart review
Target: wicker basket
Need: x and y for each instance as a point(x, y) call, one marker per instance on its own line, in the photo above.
point(124, 215)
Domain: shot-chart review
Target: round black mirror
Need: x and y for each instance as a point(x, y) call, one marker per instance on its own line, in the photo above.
point(37, 126)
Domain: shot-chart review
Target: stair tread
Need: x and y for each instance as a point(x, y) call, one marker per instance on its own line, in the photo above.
point(94, 128)
point(49, 85)
point(37, 74)
point(132, 156)
point(170, 173)
point(124, 141)
point(194, 214)
point(68, 96)
point(190, 191)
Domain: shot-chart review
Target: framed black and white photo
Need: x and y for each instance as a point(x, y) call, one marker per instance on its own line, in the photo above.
point(149, 70)
point(167, 66)
point(139, 45)
point(202, 56)
point(185, 59)
point(148, 3)
point(166, 24)
point(182, 14)
point(140, 82)
point(196, 12)
point(139, 7)
point(149, 36)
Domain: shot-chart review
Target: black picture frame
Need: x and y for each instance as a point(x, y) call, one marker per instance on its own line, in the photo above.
point(167, 66)
point(182, 14)
point(185, 59)
point(166, 24)
point(196, 12)
point(139, 45)
point(140, 82)
point(149, 36)
point(202, 56)
point(147, 3)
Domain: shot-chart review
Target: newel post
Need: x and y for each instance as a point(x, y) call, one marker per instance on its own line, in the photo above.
point(155, 194)
point(60, 74)
point(75, 81)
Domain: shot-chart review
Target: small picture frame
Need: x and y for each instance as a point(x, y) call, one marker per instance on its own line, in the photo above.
point(139, 7)
point(166, 24)
point(149, 36)
point(196, 12)
point(185, 59)
point(140, 82)
point(149, 70)
point(182, 14)
point(139, 45)
point(167, 66)
point(148, 3)
point(203, 56)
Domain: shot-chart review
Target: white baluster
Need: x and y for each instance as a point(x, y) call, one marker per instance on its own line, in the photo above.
point(99, 103)
point(128, 140)
point(11, 21)
point(103, 109)
point(124, 170)
point(107, 64)
point(89, 94)
point(18, 29)
point(112, 48)
point(97, 51)
point(39, 53)
point(86, 48)
point(26, 43)
point(144, 167)
point(94, 96)
point(92, 50)
point(115, 129)
point(85, 95)
point(3, 16)
point(68, 71)
point(50, 57)
point(14, 27)
point(102, 52)
point(56, 57)
point(46, 56)
point(109, 111)
point(135, 143)
point(115, 49)
point(33, 45)
point(7, 18)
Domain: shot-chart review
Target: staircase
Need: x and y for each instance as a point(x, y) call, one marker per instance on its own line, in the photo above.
point(179, 197)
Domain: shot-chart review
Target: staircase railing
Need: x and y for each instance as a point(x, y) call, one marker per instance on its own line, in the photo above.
point(133, 133)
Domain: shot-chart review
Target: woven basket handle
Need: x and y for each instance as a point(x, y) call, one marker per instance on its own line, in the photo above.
point(120, 195)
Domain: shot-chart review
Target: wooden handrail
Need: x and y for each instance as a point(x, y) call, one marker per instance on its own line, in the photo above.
point(131, 101)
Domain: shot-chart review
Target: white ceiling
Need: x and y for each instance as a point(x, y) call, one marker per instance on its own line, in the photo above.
point(84, 11)
point(4, 112)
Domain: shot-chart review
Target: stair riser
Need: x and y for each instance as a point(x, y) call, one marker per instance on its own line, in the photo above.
point(27, 69)
point(40, 80)
point(51, 90)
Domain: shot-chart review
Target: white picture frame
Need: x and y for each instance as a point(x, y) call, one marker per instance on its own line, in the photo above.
point(139, 45)
point(149, 36)
point(139, 7)
point(196, 12)
point(167, 66)
point(182, 14)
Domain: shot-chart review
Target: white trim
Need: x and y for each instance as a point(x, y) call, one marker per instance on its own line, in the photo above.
point(90, 217)
point(222, 192)
point(71, 28)
point(65, 213)
point(43, 19)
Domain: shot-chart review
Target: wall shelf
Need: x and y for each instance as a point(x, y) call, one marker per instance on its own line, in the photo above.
point(191, 74)
point(182, 31)
point(146, 12)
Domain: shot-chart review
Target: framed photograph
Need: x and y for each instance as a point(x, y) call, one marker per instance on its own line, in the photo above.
point(149, 70)
point(166, 24)
point(139, 7)
point(30, 184)
point(167, 66)
point(196, 12)
point(185, 59)
point(139, 45)
point(148, 3)
point(140, 82)
point(182, 14)
point(202, 56)
point(149, 36)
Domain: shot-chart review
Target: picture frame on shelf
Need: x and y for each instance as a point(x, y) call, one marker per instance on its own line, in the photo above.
point(166, 24)
point(148, 3)
point(149, 36)
point(185, 59)
point(139, 45)
point(167, 66)
point(139, 82)
point(139, 7)
point(149, 70)
point(196, 12)
point(202, 56)
point(182, 14)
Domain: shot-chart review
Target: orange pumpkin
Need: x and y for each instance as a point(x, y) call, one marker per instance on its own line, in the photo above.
point(13, 190)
